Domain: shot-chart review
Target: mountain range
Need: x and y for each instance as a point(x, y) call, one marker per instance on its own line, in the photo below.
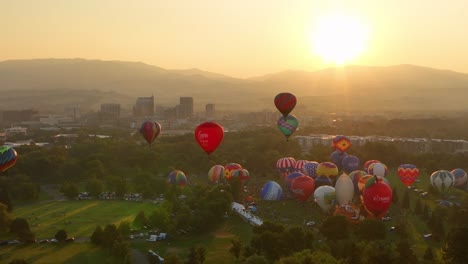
point(52, 84)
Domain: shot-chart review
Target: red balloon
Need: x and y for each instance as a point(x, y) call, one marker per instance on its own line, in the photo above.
point(150, 131)
point(377, 198)
point(285, 103)
point(303, 187)
point(209, 135)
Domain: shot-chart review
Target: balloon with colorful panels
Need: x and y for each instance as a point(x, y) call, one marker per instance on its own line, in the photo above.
point(229, 169)
point(328, 169)
point(341, 143)
point(303, 187)
point(150, 130)
point(355, 177)
point(285, 103)
point(310, 169)
point(336, 157)
point(349, 211)
point(286, 165)
point(8, 158)
point(368, 163)
point(460, 177)
point(442, 181)
point(377, 198)
point(350, 163)
point(300, 165)
point(209, 136)
point(408, 173)
point(216, 173)
point(344, 189)
point(288, 179)
point(287, 125)
point(362, 182)
point(271, 191)
point(325, 197)
point(242, 174)
point(378, 169)
point(323, 180)
point(177, 177)
point(371, 180)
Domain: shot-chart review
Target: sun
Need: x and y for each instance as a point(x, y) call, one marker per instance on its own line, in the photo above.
point(339, 39)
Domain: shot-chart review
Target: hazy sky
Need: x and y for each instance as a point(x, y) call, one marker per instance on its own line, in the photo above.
point(240, 38)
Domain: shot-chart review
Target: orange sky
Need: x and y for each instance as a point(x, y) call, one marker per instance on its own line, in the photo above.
point(239, 38)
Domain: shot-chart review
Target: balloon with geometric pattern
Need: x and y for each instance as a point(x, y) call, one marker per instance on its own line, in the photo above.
point(287, 125)
point(8, 158)
point(460, 177)
point(286, 165)
point(442, 181)
point(408, 173)
point(341, 143)
point(177, 177)
point(299, 165)
point(150, 131)
point(216, 173)
point(310, 169)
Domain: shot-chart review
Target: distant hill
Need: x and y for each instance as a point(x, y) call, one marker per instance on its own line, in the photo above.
point(33, 83)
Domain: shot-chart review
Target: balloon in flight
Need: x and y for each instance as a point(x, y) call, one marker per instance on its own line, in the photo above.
point(150, 131)
point(287, 125)
point(285, 103)
point(209, 135)
point(8, 158)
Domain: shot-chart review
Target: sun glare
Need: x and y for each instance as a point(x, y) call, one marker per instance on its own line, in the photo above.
point(339, 39)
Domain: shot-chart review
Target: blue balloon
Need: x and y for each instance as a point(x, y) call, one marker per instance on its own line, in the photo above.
point(271, 191)
point(310, 169)
point(323, 180)
point(337, 158)
point(350, 163)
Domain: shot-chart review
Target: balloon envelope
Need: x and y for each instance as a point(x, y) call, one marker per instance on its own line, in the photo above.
point(341, 143)
point(150, 131)
point(303, 187)
point(300, 165)
point(337, 158)
point(378, 169)
point(271, 191)
point(287, 125)
point(323, 180)
point(285, 103)
point(350, 211)
point(8, 158)
point(408, 173)
point(310, 169)
point(288, 179)
point(350, 163)
point(377, 199)
point(328, 169)
point(460, 177)
point(344, 189)
point(325, 197)
point(442, 181)
point(216, 173)
point(286, 165)
point(229, 170)
point(209, 135)
point(177, 177)
point(242, 174)
point(355, 177)
point(368, 163)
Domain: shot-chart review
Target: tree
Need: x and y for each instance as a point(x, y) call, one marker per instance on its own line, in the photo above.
point(172, 258)
point(454, 250)
point(236, 247)
point(94, 187)
point(121, 250)
point(256, 259)
point(5, 218)
point(124, 229)
point(140, 220)
point(110, 235)
point(97, 237)
point(5, 199)
point(201, 254)
point(371, 229)
point(406, 200)
point(18, 261)
point(428, 255)
point(418, 208)
point(335, 228)
point(61, 235)
point(406, 253)
point(70, 190)
point(192, 256)
point(309, 257)
point(20, 227)
point(395, 199)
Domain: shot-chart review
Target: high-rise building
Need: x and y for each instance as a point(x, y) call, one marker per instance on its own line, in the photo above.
point(185, 107)
point(110, 110)
point(210, 110)
point(144, 106)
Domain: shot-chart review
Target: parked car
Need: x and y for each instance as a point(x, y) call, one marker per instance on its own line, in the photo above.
point(70, 239)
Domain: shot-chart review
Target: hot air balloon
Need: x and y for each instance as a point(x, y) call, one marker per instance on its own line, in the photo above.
point(442, 181)
point(271, 191)
point(310, 169)
point(350, 163)
point(325, 197)
point(368, 163)
point(242, 174)
point(378, 169)
point(286, 165)
point(288, 179)
point(299, 165)
point(229, 169)
point(8, 158)
point(216, 173)
point(362, 182)
point(285, 103)
point(408, 173)
point(344, 189)
point(209, 135)
point(355, 177)
point(337, 158)
point(460, 177)
point(150, 131)
point(377, 199)
point(371, 181)
point(323, 180)
point(249, 199)
point(341, 143)
point(177, 177)
point(287, 125)
point(350, 211)
point(328, 169)
point(303, 187)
